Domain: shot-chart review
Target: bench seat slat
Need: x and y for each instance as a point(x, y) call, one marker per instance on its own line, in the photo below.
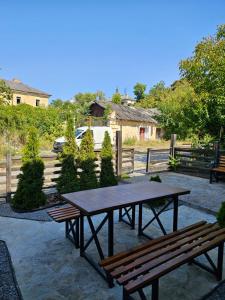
point(172, 264)
point(166, 257)
point(67, 217)
point(153, 255)
point(117, 258)
point(58, 213)
point(63, 214)
point(158, 245)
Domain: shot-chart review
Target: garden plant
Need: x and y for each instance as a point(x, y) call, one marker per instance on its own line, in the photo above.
point(68, 180)
point(29, 194)
point(107, 176)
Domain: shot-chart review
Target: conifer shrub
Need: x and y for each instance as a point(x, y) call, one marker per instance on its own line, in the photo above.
point(221, 215)
point(87, 163)
point(107, 176)
point(68, 181)
point(29, 194)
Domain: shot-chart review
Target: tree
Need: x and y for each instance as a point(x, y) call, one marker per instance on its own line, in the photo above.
point(205, 71)
point(5, 93)
point(29, 194)
point(116, 98)
point(87, 157)
point(181, 111)
point(155, 96)
point(68, 180)
point(107, 176)
point(139, 90)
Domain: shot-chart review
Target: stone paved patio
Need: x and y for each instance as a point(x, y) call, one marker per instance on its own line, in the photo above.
point(48, 266)
point(203, 195)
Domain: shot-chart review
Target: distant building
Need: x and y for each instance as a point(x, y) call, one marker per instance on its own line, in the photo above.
point(134, 122)
point(23, 93)
point(127, 100)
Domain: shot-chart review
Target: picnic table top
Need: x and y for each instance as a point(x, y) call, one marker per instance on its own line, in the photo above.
point(99, 200)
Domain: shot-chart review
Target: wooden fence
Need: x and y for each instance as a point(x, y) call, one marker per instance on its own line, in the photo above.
point(10, 169)
point(157, 157)
point(197, 160)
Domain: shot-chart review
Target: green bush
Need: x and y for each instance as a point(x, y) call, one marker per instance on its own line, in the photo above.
point(173, 163)
point(155, 178)
point(87, 158)
point(221, 215)
point(107, 176)
point(29, 193)
point(68, 181)
point(159, 202)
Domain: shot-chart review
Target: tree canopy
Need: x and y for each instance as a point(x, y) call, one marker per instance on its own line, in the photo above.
point(5, 93)
point(205, 71)
point(139, 90)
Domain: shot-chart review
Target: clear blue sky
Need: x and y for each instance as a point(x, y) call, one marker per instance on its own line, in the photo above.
point(70, 46)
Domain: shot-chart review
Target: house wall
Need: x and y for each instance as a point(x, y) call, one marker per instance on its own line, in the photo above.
point(30, 99)
point(131, 129)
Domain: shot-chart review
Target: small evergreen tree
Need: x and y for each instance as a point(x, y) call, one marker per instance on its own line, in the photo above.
point(221, 215)
point(107, 176)
point(88, 178)
point(68, 181)
point(29, 193)
point(116, 98)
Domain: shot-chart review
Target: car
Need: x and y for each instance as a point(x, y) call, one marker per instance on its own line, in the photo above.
point(98, 135)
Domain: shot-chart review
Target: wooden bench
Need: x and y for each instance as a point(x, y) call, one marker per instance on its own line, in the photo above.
point(220, 168)
point(70, 215)
point(146, 264)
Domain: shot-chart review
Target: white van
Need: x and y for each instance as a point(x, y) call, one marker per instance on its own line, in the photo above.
point(98, 135)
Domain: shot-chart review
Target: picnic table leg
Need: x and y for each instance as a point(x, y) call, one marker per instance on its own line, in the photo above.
point(110, 233)
point(155, 290)
point(140, 220)
point(220, 262)
point(175, 213)
point(81, 235)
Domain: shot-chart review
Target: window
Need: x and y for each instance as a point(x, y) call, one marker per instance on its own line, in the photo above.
point(37, 102)
point(18, 100)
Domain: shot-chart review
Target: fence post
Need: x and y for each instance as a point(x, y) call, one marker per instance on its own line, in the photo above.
point(132, 159)
point(118, 153)
point(147, 163)
point(8, 175)
point(217, 151)
point(172, 144)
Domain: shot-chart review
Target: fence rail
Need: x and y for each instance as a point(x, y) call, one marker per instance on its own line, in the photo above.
point(10, 169)
point(196, 160)
point(157, 156)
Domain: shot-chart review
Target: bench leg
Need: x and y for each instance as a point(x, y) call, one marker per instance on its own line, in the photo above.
point(211, 177)
point(125, 295)
point(220, 262)
point(72, 231)
point(155, 290)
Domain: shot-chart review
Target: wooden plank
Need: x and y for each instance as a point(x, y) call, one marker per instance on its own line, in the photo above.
point(153, 259)
point(172, 264)
point(116, 257)
point(159, 245)
point(121, 196)
point(163, 259)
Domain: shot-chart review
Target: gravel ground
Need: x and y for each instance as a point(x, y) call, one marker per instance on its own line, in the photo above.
point(218, 293)
point(9, 289)
point(40, 215)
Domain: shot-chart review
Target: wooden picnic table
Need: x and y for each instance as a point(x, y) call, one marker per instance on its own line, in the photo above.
point(108, 199)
